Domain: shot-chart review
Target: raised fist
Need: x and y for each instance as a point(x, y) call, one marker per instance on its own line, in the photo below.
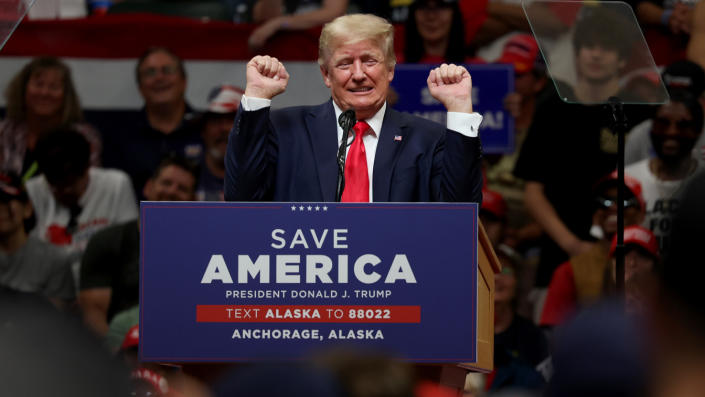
point(266, 77)
point(451, 85)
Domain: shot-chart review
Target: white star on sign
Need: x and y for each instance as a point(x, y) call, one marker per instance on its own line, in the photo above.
point(293, 208)
point(309, 208)
point(325, 208)
point(301, 208)
point(318, 208)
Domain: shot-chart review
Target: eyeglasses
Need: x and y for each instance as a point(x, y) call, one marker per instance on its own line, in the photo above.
point(608, 202)
point(151, 71)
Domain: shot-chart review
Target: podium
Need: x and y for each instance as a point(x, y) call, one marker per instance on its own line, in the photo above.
point(453, 374)
point(242, 282)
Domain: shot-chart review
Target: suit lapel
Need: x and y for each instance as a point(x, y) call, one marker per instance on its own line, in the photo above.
point(388, 149)
point(321, 127)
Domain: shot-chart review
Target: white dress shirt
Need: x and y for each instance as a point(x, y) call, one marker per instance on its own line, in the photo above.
point(466, 124)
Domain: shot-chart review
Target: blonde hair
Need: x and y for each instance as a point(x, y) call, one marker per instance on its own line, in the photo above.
point(17, 89)
point(353, 28)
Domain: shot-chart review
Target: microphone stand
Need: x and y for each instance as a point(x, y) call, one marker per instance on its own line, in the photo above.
point(346, 121)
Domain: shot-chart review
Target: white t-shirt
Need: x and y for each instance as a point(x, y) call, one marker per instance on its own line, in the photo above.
point(661, 198)
point(109, 199)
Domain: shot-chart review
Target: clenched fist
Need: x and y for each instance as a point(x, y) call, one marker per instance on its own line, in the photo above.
point(266, 77)
point(451, 85)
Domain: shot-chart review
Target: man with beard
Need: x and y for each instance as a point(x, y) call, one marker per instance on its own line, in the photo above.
point(682, 75)
point(676, 127)
point(73, 200)
point(110, 266)
point(216, 122)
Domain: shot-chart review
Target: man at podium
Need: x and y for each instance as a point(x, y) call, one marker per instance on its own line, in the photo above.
point(290, 154)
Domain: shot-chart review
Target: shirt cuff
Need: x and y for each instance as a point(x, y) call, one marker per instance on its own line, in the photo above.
point(250, 104)
point(467, 124)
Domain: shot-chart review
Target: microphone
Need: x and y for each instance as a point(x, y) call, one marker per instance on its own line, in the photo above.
point(346, 121)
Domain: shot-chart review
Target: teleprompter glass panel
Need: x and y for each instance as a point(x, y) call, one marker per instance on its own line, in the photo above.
point(11, 13)
point(595, 50)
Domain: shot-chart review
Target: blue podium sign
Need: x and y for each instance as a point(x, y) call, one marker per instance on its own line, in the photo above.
point(261, 281)
point(490, 84)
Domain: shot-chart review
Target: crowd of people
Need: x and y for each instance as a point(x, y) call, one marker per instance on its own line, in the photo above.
point(69, 194)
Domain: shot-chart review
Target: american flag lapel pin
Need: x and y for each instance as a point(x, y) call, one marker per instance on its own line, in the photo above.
point(397, 138)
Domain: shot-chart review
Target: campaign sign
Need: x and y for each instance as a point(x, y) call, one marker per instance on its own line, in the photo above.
point(490, 85)
point(258, 281)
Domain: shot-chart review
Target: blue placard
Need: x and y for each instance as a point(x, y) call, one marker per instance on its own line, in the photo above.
point(256, 281)
point(490, 85)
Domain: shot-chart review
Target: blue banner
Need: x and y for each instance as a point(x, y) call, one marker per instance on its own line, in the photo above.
point(255, 281)
point(490, 85)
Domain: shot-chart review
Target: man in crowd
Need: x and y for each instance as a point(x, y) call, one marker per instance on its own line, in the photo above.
point(28, 264)
point(681, 75)
point(73, 200)
point(165, 125)
point(675, 128)
point(580, 281)
point(290, 154)
point(110, 266)
point(216, 124)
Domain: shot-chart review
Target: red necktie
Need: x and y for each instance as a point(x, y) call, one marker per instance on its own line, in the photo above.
point(357, 180)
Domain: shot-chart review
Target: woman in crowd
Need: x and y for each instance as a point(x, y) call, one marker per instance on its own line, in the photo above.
point(434, 33)
point(40, 98)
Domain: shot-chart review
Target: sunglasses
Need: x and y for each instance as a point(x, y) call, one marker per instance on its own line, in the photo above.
point(608, 202)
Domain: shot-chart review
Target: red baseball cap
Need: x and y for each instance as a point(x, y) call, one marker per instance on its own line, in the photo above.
point(132, 338)
point(494, 203)
point(640, 236)
point(157, 381)
point(522, 51)
point(632, 184)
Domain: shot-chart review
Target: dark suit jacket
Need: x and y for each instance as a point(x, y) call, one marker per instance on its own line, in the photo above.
point(290, 155)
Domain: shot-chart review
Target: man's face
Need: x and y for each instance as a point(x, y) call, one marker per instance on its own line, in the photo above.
point(172, 184)
point(606, 214)
point(70, 190)
point(358, 77)
point(639, 280)
point(161, 81)
point(636, 262)
point(215, 134)
point(598, 64)
point(673, 132)
point(44, 95)
point(12, 215)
